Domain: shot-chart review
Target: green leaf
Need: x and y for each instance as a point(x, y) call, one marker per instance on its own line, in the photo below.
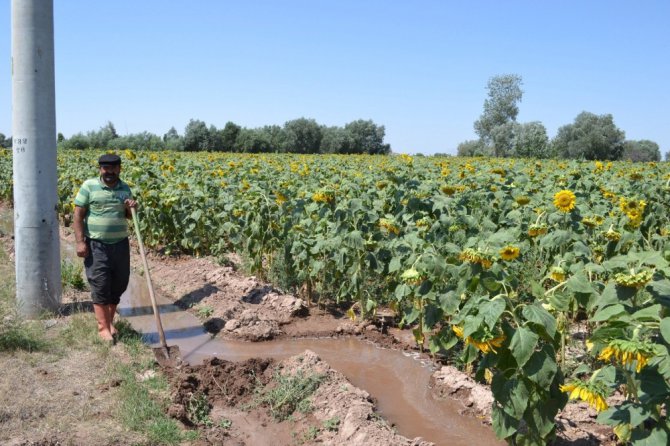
point(195, 215)
point(401, 291)
point(449, 302)
point(395, 264)
point(556, 238)
point(512, 394)
point(491, 284)
point(504, 425)
point(656, 437)
point(491, 311)
point(538, 315)
point(665, 329)
point(607, 313)
point(543, 415)
point(579, 283)
point(541, 367)
point(628, 413)
point(608, 296)
point(523, 344)
point(649, 314)
point(653, 387)
point(661, 291)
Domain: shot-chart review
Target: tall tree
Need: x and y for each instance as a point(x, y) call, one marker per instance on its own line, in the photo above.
point(472, 147)
point(302, 136)
point(275, 136)
point(172, 140)
point(229, 136)
point(500, 108)
point(590, 137)
point(367, 137)
point(5, 142)
point(642, 150)
point(196, 136)
point(531, 140)
point(336, 140)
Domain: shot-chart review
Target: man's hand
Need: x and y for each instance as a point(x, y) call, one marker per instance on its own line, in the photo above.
point(82, 249)
point(130, 203)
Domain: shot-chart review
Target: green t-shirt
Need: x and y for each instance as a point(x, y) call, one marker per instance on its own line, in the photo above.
point(105, 211)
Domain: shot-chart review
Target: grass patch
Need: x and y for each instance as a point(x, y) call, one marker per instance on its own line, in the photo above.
point(15, 332)
point(204, 311)
point(290, 392)
point(144, 401)
point(72, 275)
point(143, 406)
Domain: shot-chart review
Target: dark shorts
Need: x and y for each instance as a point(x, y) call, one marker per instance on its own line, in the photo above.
point(107, 270)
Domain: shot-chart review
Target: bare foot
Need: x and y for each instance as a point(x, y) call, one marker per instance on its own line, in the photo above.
point(105, 335)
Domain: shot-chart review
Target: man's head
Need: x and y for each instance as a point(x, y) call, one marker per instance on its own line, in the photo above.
point(110, 167)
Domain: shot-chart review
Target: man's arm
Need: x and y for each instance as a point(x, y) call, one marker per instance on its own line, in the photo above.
point(79, 216)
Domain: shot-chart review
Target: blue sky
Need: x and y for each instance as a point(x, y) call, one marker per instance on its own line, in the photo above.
point(419, 68)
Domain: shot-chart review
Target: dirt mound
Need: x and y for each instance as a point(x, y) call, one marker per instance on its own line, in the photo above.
point(336, 413)
point(221, 382)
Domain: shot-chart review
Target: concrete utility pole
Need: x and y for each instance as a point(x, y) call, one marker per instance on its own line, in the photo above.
point(36, 238)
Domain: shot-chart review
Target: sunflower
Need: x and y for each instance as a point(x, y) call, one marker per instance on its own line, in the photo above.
point(448, 189)
point(564, 200)
point(612, 235)
point(537, 229)
point(509, 252)
point(522, 200)
point(323, 197)
point(634, 280)
point(626, 352)
point(389, 225)
point(632, 208)
point(280, 198)
point(557, 274)
point(592, 222)
point(592, 393)
point(472, 256)
point(487, 344)
point(412, 277)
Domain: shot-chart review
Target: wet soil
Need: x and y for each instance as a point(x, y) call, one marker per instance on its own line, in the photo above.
point(337, 413)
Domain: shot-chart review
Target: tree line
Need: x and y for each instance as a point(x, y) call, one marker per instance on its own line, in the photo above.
point(297, 136)
point(589, 137)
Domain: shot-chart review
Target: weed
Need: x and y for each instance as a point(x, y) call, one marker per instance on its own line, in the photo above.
point(225, 423)
point(15, 332)
point(305, 406)
point(289, 393)
point(310, 434)
point(332, 424)
point(71, 275)
point(204, 311)
point(198, 410)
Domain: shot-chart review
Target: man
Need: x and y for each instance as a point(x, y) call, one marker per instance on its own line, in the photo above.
point(101, 208)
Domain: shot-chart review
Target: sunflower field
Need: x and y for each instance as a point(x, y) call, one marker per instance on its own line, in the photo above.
point(550, 280)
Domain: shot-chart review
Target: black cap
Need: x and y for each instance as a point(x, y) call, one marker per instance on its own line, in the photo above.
point(109, 159)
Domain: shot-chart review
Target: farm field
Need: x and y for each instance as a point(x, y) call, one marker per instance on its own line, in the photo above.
point(491, 263)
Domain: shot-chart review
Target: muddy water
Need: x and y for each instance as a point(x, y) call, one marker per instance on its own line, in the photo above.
point(397, 381)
